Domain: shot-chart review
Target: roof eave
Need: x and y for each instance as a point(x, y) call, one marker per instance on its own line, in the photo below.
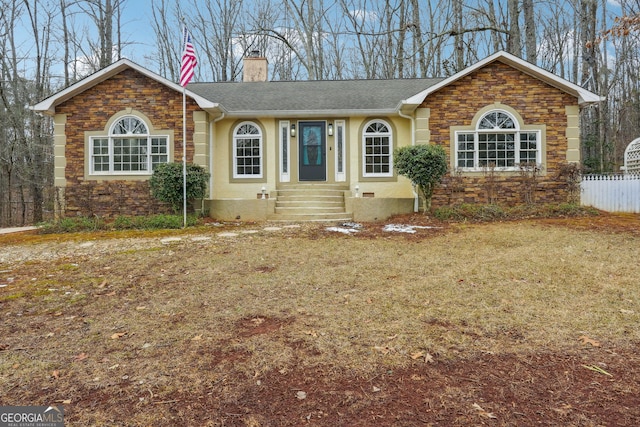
point(48, 105)
point(296, 114)
point(584, 96)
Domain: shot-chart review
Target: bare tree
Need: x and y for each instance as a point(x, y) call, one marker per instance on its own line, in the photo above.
point(514, 43)
point(530, 39)
point(215, 22)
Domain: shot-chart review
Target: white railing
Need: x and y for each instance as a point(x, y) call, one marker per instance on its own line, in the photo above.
point(612, 193)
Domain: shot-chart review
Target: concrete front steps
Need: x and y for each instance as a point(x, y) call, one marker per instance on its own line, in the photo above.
point(310, 202)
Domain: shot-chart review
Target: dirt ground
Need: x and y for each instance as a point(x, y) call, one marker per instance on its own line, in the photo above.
point(590, 386)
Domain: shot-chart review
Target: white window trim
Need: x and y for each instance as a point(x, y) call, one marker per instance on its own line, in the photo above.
point(110, 136)
point(366, 174)
point(235, 152)
point(517, 131)
point(339, 132)
point(285, 155)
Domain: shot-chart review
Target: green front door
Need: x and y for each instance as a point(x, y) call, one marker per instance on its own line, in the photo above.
point(312, 151)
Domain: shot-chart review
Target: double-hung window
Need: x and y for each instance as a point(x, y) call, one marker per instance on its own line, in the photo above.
point(497, 141)
point(377, 149)
point(128, 149)
point(247, 151)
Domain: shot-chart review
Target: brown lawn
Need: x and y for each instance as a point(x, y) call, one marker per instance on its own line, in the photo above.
point(503, 324)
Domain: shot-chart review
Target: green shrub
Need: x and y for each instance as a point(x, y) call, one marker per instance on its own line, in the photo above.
point(424, 165)
point(167, 184)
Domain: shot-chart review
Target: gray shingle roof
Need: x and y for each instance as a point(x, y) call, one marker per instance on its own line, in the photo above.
point(319, 97)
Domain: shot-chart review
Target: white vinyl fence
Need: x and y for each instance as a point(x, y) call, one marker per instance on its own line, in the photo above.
point(611, 193)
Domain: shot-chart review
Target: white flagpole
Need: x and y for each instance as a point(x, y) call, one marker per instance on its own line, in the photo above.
point(184, 155)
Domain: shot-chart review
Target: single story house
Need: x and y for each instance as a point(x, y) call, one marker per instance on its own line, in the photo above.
point(302, 150)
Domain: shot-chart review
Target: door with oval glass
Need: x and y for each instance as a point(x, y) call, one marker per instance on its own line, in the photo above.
point(312, 151)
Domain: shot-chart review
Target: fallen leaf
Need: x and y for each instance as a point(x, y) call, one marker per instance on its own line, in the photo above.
point(376, 389)
point(383, 350)
point(16, 366)
point(81, 356)
point(64, 402)
point(586, 340)
point(257, 321)
point(55, 374)
point(482, 412)
point(141, 307)
point(301, 395)
point(623, 311)
point(427, 357)
point(197, 338)
point(312, 333)
point(118, 335)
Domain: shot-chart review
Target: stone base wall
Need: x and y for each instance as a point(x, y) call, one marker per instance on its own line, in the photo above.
point(503, 190)
point(112, 198)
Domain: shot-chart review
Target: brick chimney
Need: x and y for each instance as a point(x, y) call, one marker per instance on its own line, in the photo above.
point(255, 67)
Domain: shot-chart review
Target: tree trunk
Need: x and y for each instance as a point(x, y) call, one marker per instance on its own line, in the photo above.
point(531, 44)
point(514, 44)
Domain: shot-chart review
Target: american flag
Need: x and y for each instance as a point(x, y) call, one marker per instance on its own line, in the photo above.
point(189, 60)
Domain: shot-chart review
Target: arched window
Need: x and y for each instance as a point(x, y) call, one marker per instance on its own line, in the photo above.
point(497, 142)
point(632, 157)
point(129, 149)
point(247, 151)
point(377, 149)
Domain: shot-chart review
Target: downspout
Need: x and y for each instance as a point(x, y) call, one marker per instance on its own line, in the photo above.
point(211, 141)
point(416, 199)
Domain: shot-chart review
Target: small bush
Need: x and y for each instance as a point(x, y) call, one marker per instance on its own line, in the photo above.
point(167, 184)
point(424, 165)
point(159, 221)
point(123, 223)
point(80, 224)
point(493, 212)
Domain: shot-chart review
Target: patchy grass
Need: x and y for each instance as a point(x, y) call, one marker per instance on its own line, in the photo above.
point(493, 212)
point(121, 222)
point(227, 331)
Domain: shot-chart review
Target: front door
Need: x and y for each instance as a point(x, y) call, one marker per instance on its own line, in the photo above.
point(312, 151)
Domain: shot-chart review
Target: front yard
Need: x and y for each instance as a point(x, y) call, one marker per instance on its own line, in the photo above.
point(504, 323)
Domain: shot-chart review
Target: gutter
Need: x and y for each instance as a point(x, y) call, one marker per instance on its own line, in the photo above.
point(297, 114)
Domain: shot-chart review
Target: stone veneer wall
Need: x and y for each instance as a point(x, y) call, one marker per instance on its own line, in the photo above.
point(90, 111)
point(535, 101)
